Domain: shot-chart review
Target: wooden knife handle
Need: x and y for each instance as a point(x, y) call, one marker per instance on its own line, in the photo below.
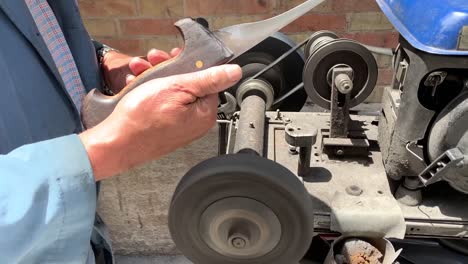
point(202, 50)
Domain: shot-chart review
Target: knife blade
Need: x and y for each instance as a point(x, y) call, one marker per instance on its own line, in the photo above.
point(242, 37)
point(202, 49)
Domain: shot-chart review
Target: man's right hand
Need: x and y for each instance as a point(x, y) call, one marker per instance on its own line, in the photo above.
point(157, 118)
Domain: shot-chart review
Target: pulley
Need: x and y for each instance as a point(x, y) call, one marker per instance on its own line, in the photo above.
point(326, 52)
point(241, 208)
point(283, 77)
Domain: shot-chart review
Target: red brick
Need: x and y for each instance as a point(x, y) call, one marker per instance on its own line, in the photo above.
point(314, 22)
point(325, 7)
point(148, 27)
point(385, 77)
point(128, 46)
point(387, 39)
point(106, 8)
point(225, 7)
point(355, 5)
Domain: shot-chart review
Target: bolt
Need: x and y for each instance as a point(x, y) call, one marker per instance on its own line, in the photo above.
point(292, 149)
point(287, 120)
point(238, 242)
point(343, 83)
point(354, 190)
point(339, 152)
point(278, 115)
point(440, 164)
point(251, 124)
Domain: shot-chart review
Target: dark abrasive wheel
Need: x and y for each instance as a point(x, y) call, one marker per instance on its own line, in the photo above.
point(286, 75)
point(241, 208)
point(327, 53)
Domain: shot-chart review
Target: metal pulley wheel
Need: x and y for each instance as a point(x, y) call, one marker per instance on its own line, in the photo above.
point(325, 52)
point(283, 77)
point(241, 208)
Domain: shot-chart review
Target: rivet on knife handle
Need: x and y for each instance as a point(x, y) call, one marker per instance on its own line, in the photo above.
point(202, 50)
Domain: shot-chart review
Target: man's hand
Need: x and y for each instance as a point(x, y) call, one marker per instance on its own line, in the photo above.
point(120, 69)
point(157, 118)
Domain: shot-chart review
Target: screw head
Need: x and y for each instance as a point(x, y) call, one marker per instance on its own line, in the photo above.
point(238, 242)
point(292, 150)
point(339, 152)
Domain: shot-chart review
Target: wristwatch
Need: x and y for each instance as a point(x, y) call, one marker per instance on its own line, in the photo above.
point(101, 51)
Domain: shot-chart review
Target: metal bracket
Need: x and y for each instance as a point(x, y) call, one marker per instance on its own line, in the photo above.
point(434, 80)
point(304, 137)
point(401, 70)
point(339, 104)
point(443, 167)
point(346, 146)
point(228, 108)
point(338, 140)
point(367, 215)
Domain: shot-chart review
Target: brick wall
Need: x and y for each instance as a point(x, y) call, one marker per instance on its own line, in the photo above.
point(134, 26)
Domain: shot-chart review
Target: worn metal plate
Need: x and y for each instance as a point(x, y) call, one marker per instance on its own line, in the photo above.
point(443, 212)
point(347, 142)
point(380, 213)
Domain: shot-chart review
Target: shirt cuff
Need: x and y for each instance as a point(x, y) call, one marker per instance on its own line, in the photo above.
point(61, 189)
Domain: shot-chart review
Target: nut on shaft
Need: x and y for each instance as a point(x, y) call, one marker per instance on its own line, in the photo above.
point(343, 83)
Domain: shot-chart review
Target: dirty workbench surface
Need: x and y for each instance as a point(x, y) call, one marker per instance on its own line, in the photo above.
point(443, 211)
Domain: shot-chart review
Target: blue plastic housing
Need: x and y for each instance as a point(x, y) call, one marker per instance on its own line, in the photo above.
point(433, 26)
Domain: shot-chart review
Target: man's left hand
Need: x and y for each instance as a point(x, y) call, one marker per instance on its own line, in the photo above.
point(120, 69)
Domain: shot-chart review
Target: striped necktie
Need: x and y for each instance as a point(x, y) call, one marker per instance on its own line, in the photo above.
point(52, 34)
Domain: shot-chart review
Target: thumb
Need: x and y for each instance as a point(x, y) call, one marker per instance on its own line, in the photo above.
point(209, 81)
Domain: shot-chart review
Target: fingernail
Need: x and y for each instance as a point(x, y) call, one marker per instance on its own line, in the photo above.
point(135, 60)
point(233, 72)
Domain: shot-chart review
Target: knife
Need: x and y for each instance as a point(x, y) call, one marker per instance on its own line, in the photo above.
point(202, 49)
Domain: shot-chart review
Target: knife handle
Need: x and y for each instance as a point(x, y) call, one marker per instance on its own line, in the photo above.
point(202, 50)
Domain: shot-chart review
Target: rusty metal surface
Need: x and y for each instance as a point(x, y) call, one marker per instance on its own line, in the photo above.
point(442, 213)
point(349, 250)
point(356, 251)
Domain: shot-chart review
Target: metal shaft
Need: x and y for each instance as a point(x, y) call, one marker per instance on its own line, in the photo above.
point(251, 126)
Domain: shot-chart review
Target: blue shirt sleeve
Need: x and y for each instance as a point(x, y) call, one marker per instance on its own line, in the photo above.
point(47, 203)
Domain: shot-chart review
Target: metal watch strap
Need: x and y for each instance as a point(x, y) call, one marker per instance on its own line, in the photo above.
point(101, 51)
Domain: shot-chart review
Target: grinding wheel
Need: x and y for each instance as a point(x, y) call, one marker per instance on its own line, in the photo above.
point(241, 208)
point(450, 130)
point(329, 54)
